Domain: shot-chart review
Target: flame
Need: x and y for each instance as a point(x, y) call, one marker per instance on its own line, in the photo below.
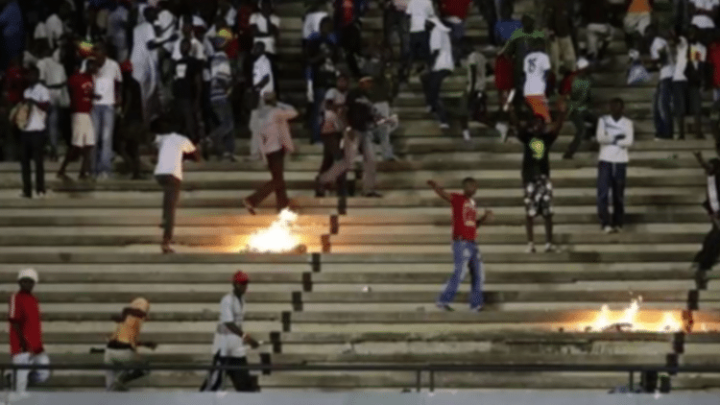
point(633, 320)
point(277, 238)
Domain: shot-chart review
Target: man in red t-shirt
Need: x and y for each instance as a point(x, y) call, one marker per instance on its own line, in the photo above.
point(465, 250)
point(26, 344)
point(82, 94)
point(454, 13)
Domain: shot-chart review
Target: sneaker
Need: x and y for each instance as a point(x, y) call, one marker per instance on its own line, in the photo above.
point(466, 135)
point(530, 248)
point(477, 309)
point(608, 229)
point(230, 157)
point(618, 229)
point(40, 195)
point(444, 125)
point(444, 307)
point(103, 177)
point(549, 248)
point(373, 194)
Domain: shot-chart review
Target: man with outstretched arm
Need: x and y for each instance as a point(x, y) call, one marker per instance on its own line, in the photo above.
point(465, 251)
point(708, 255)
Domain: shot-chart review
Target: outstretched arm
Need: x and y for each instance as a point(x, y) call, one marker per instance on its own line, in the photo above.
point(703, 163)
point(440, 191)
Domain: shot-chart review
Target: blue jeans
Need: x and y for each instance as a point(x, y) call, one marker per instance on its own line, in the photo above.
point(662, 110)
point(223, 136)
point(316, 113)
point(53, 126)
point(467, 257)
point(611, 176)
point(103, 117)
point(432, 84)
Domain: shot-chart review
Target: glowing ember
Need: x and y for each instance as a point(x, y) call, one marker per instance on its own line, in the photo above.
point(633, 320)
point(278, 238)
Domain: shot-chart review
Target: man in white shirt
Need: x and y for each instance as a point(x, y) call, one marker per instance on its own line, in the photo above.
point(615, 135)
point(662, 56)
point(311, 22)
point(108, 82)
point(536, 67)
point(263, 77)
point(172, 148)
point(688, 80)
point(419, 12)
point(52, 76)
point(229, 345)
point(265, 25)
point(441, 66)
point(32, 138)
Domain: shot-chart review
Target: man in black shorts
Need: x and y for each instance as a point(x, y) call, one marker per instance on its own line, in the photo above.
point(538, 138)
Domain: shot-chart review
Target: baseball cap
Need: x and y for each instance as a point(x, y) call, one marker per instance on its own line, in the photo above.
point(240, 278)
point(28, 273)
point(582, 63)
point(126, 66)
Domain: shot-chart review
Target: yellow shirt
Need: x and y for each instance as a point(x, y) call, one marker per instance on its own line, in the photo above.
point(639, 7)
point(128, 330)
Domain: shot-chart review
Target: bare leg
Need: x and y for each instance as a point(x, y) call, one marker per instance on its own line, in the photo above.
point(529, 228)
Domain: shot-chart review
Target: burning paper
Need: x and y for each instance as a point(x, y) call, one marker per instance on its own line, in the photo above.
point(278, 238)
point(632, 319)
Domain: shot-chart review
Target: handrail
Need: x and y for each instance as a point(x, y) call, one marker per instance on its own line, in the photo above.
point(437, 367)
point(418, 369)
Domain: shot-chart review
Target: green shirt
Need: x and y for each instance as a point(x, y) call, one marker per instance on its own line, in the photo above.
point(580, 93)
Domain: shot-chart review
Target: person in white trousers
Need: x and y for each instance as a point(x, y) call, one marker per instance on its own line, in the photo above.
point(26, 344)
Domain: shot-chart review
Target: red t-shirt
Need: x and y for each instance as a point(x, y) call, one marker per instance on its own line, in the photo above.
point(464, 217)
point(456, 8)
point(714, 59)
point(504, 73)
point(25, 311)
point(82, 88)
point(14, 84)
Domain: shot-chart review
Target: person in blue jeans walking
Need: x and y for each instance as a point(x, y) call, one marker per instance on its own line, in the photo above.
point(615, 135)
point(465, 251)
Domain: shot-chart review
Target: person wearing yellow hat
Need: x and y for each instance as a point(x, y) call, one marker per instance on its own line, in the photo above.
point(229, 346)
point(122, 348)
point(26, 343)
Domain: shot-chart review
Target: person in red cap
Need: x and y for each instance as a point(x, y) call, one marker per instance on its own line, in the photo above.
point(229, 346)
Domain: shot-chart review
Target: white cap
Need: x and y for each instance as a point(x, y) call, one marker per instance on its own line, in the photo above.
point(28, 273)
point(582, 63)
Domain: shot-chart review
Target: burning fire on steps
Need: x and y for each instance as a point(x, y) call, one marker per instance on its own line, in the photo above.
point(279, 237)
point(632, 319)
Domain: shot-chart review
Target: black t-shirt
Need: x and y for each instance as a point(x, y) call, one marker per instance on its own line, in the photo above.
point(360, 110)
point(536, 156)
point(133, 94)
point(184, 74)
point(324, 72)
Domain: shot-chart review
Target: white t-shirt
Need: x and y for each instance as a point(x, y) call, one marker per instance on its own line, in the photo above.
point(700, 20)
point(105, 79)
point(312, 23)
point(261, 68)
point(197, 50)
point(171, 148)
point(419, 11)
point(658, 46)
point(165, 26)
point(698, 53)
point(536, 65)
point(440, 41)
point(52, 73)
point(476, 61)
point(607, 130)
point(232, 310)
point(55, 30)
point(262, 24)
point(336, 96)
point(36, 120)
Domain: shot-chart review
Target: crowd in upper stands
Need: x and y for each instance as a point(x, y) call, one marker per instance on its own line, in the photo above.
point(93, 75)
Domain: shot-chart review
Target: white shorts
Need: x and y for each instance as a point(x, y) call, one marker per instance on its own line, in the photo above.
point(83, 133)
point(637, 22)
point(33, 376)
